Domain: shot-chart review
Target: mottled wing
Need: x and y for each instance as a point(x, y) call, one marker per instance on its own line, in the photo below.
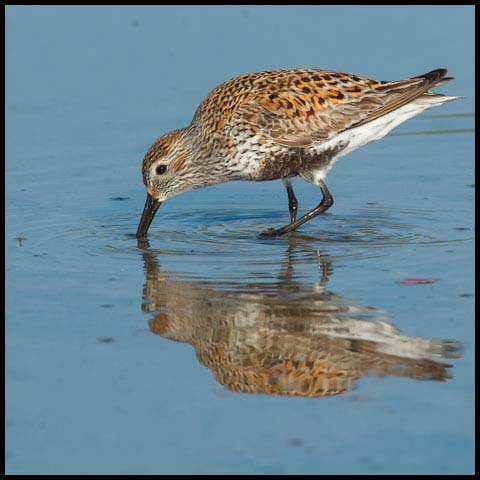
point(311, 106)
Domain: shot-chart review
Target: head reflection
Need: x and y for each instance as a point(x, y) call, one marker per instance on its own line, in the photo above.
point(286, 338)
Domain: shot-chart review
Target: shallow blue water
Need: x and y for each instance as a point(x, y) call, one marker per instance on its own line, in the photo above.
point(211, 350)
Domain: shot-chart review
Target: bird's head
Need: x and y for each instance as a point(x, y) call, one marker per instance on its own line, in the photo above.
point(165, 174)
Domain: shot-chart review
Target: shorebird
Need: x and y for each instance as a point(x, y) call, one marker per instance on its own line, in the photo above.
point(278, 124)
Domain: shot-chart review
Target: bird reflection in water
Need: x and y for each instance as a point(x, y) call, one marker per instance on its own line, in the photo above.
point(286, 338)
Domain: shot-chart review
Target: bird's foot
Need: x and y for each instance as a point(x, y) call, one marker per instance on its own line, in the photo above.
point(272, 232)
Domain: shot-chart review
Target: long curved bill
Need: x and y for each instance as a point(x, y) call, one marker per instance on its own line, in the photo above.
point(149, 211)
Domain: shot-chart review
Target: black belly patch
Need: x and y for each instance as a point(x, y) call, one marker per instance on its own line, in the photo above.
point(296, 161)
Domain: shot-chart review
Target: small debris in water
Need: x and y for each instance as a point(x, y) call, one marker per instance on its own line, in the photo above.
point(119, 199)
point(105, 340)
point(355, 398)
point(296, 442)
point(418, 281)
point(20, 238)
point(107, 305)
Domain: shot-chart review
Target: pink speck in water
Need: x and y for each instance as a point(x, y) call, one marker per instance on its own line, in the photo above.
point(418, 281)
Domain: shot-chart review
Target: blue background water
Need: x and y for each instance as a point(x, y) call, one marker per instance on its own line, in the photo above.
point(87, 91)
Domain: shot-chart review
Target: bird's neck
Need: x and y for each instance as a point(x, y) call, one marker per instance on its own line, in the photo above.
point(206, 162)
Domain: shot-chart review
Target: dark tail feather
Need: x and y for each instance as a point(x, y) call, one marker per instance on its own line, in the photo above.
point(445, 80)
point(435, 76)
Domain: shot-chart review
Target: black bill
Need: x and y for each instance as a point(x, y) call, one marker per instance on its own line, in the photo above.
point(149, 211)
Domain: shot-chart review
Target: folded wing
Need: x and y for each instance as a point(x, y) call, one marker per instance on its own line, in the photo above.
point(314, 106)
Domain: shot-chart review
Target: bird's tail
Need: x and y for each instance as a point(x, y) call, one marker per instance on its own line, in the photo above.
point(436, 78)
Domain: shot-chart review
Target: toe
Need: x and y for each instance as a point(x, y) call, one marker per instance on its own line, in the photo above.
point(268, 232)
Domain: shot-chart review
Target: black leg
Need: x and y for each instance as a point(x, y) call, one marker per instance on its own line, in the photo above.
point(292, 200)
point(323, 206)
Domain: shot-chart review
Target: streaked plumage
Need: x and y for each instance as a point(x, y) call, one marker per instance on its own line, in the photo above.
point(279, 124)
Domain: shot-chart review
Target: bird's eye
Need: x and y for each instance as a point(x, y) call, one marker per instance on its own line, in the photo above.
point(161, 169)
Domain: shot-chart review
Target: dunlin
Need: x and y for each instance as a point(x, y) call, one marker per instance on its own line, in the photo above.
point(279, 124)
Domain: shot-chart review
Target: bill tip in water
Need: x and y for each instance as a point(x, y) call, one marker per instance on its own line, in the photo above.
point(149, 211)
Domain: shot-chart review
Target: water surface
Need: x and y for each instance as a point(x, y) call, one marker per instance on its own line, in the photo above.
point(209, 349)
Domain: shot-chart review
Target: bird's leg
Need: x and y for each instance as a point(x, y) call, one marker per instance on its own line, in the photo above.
point(292, 200)
point(323, 206)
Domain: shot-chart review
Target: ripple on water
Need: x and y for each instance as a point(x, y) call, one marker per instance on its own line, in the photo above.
point(230, 241)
